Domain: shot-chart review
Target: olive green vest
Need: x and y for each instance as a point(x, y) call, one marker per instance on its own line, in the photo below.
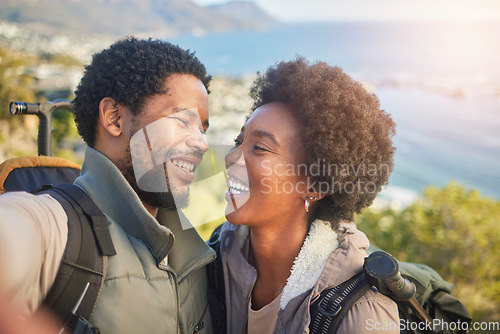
point(156, 283)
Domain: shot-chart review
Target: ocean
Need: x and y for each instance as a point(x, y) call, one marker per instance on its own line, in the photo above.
point(440, 81)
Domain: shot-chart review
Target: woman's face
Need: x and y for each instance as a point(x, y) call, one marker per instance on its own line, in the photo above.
point(266, 169)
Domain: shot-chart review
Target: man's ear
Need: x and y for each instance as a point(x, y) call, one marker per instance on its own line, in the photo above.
point(110, 116)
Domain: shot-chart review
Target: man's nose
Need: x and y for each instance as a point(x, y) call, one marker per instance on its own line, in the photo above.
point(198, 142)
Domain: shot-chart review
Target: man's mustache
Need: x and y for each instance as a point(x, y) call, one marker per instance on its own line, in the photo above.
point(191, 155)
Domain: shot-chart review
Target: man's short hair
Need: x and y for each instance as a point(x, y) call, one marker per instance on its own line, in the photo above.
point(130, 71)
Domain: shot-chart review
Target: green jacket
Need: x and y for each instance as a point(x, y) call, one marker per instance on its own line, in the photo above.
point(156, 283)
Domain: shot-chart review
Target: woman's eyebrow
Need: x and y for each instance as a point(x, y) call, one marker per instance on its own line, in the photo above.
point(262, 133)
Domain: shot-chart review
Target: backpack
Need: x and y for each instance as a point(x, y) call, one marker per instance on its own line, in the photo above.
point(81, 273)
point(423, 297)
point(427, 296)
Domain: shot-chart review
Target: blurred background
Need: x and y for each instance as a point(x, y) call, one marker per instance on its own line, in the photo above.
point(434, 64)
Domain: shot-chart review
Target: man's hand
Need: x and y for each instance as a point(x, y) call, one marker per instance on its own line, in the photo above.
point(12, 322)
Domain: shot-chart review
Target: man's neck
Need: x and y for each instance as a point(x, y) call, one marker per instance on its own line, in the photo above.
point(153, 210)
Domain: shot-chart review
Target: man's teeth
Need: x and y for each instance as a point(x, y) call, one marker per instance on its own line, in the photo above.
point(184, 165)
point(236, 187)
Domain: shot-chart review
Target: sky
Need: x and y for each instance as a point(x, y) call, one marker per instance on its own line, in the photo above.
point(328, 10)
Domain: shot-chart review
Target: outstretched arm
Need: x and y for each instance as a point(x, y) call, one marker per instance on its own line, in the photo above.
point(33, 235)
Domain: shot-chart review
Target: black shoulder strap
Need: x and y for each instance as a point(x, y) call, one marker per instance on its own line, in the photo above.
point(84, 260)
point(328, 311)
point(216, 290)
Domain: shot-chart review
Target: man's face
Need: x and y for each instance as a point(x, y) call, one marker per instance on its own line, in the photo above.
point(167, 142)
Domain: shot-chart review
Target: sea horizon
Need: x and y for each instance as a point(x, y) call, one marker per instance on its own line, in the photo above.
point(438, 80)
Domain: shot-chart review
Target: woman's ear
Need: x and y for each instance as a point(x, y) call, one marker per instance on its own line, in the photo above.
point(110, 116)
point(312, 199)
point(313, 194)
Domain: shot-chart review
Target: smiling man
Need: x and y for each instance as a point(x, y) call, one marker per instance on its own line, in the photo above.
point(175, 153)
point(142, 108)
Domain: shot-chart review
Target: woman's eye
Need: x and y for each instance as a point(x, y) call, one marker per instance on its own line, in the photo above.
point(258, 148)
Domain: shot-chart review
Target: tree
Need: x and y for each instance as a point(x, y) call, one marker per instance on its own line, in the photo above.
point(455, 231)
point(15, 82)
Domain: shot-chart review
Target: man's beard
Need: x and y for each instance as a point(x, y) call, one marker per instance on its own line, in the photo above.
point(168, 199)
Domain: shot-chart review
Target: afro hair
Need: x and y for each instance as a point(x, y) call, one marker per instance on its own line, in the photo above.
point(346, 136)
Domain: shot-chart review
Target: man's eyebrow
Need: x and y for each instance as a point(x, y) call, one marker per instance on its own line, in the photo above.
point(188, 111)
point(262, 133)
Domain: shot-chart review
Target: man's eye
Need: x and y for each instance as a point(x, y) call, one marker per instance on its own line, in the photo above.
point(237, 142)
point(183, 121)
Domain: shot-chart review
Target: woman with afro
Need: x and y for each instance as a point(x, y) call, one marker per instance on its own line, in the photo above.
point(316, 150)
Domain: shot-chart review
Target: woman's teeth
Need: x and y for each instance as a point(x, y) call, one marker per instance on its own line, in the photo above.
point(184, 165)
point(236, 187)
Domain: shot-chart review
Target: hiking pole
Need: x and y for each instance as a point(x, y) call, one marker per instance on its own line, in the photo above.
point(44, 113)
point(382, 271)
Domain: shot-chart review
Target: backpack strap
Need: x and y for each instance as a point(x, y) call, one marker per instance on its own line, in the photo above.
point(328, 311)
point(84, 261)
point(30, 172)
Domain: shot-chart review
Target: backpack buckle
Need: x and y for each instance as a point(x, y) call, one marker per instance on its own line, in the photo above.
point(324, 310)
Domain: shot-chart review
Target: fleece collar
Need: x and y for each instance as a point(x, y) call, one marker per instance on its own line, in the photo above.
point(311, 260)
point(313, 256)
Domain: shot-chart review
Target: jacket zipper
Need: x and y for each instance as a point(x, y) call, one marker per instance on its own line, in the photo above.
point(169, 269)
point(177, 283)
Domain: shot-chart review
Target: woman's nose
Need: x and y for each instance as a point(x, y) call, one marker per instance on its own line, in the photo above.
point(235, 156)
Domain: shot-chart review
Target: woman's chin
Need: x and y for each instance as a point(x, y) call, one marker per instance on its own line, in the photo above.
point(231, 214)
point(234, 202)
point(235, 217)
